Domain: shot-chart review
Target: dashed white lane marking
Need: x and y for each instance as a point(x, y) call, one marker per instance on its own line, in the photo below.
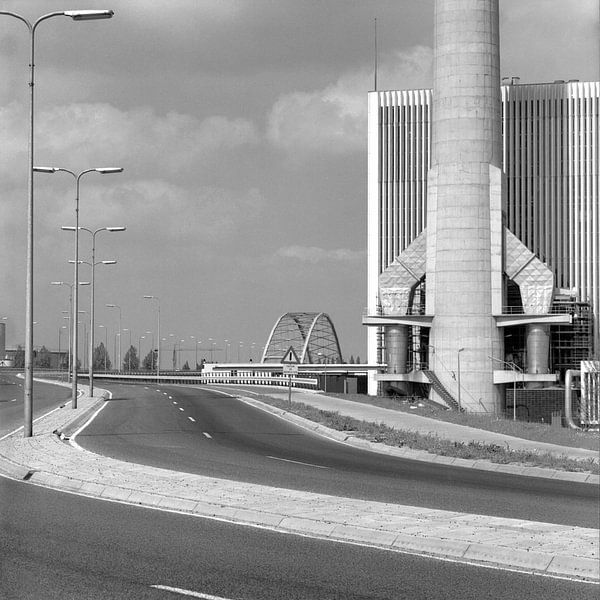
point(190, 593)
point(298, 462)
point(192, 419)
point(207, 435)
point(174, 402)
point(14, 400)
point(170, 397)
point(180, 408)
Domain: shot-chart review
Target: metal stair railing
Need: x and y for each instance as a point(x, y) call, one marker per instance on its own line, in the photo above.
point(441, 390)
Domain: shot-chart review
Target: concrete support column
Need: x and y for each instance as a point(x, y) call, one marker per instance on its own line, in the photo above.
point(396, 348)
point(538, 349)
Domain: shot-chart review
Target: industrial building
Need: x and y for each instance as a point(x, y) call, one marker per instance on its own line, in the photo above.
point(483, 224)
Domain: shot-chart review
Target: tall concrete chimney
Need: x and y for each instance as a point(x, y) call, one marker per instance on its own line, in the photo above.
point(464, 203)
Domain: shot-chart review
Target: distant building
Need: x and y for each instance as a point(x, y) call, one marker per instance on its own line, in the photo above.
point(550, 160)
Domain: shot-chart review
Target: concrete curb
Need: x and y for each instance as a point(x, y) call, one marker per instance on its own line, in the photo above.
point(541, 548)
point(421, 455)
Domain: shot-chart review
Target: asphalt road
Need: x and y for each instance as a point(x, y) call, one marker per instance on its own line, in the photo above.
point(45, 398)
point(201, 431)
point(56, 545)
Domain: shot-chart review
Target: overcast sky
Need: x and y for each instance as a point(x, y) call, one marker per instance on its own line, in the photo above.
point(241, 128)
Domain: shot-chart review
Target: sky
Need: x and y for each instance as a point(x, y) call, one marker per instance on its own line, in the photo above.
point(241, 128)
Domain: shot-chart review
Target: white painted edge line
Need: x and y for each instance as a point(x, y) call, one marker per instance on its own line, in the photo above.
point(190, 593)
point(316, 428)
point(72, 438)
point(35, 421)
point(297, 462)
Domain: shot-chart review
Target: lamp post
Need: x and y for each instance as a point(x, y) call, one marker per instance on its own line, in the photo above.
point(513, 366)
point(59, 335)
point(226, 351)
point(77, 177)
point(92, 296)
point(142, 337)
point(157, 334)
point(129, 351)
point(117, 306)
point(71, 286)
point(105, 345)
point(151, 347)
point(76, 15)
point(458, 375)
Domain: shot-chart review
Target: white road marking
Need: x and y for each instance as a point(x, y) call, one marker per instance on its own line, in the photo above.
point(174, 402)
point(207, 435)
point(14, 400)
point(298, 462)
point(192, 419)
point(190, 593)
point(180, 408)
point(170, 397)
point(34, 421)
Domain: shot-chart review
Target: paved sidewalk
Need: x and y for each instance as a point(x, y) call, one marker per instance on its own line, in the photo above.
point(45, 459)
point(411, 422)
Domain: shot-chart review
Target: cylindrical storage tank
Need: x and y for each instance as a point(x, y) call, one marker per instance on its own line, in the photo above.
point(396, 348)
point(538, 349)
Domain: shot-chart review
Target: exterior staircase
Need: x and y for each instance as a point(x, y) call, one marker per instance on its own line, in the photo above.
point(438, 386)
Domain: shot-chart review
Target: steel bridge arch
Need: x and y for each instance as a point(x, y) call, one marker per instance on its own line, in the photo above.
point(312, 336)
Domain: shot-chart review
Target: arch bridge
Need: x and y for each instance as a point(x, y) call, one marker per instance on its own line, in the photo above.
point(311, 335)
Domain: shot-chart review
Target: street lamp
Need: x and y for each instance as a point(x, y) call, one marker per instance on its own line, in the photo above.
point(458, 375)
point(70, 312)
point(142, 337)
point(76, 15)
point(514, 367)
point(93, 265)
point(157, 335)
point(105, 345)
point(77, 177)
point(129, 351)
point(117, 306)
point(324, 370)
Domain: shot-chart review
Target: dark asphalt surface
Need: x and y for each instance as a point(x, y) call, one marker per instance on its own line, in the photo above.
point(55, 545)
point(204, 432)
point(45, 398)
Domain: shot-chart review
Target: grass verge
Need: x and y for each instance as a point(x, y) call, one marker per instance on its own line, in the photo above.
point(380, 433)
point(537, 432)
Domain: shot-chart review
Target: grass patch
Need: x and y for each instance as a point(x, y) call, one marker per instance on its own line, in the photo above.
point(380, 433)
point(537, 432)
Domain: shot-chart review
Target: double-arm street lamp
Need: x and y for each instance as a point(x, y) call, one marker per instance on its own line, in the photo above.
point(76, 15)
point(92, 295)
point(77, 177)
point(158, 334)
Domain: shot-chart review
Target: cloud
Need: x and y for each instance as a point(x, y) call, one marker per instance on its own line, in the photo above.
point(314, 255)
point(333, 120)
point(79, 135)
point(561, 39)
